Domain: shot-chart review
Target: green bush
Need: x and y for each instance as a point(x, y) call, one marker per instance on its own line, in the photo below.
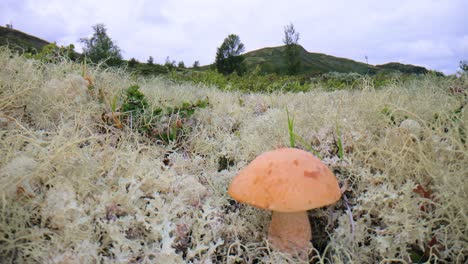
point(150, 69)
point(135, 100)
point(53, 53)
point(165, 124)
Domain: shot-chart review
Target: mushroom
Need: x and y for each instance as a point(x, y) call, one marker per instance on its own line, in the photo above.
point(289, 182)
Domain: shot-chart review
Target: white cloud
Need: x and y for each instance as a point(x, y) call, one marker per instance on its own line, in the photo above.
point(423, 49)
point(426, 32)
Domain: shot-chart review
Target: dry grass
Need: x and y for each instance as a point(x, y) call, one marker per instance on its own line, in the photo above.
point(75, 190)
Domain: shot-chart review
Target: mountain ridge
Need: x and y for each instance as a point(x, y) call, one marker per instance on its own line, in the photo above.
point(20, 40)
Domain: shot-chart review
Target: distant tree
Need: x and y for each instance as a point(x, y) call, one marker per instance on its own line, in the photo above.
point(150, 60)
point(228, 56)
point(100, 47)
point(132, 63)
point(292, 52)
point(9, 26)
point(181, 64)
point(290, 35)
point(196, 65)
point(170, 64)
point(464, 66)
point(69, 52)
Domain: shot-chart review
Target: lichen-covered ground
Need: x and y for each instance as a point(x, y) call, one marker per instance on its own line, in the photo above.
point(76, 189)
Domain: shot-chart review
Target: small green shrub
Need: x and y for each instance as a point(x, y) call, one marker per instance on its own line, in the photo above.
point(52, 53)
point(135, 100)
point(150, 69)
point(174, 129)
point(165, 124)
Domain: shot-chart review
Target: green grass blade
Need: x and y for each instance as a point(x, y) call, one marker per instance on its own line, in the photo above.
point(339, 143)
point(292, 141)
point(308, 146)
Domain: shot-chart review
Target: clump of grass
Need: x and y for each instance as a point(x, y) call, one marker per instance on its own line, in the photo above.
point(293, 136)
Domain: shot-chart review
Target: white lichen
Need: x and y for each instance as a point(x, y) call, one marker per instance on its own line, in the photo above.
point(77, 191)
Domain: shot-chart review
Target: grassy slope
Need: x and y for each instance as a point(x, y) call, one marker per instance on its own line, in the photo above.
point(312, 63)
point(404, 68)
point(271, 59)
point(20, 40)
point(77, 190)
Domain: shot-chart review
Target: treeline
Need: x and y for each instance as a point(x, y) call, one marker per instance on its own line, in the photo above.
point(101, 49)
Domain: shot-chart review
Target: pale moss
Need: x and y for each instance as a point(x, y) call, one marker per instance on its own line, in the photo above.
point(75, 190)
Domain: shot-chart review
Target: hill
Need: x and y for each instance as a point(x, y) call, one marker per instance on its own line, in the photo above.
point(404, 68)
point(19, 40)
point(271, 60)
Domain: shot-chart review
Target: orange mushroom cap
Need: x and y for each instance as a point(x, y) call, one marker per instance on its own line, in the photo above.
point(286, 180)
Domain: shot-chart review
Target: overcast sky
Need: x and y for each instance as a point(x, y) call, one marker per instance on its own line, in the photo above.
point(430, 33)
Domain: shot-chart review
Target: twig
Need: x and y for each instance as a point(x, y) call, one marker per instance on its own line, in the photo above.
point(348, 211)
point(19, 125)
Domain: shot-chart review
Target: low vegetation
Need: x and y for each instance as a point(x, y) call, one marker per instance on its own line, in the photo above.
point(100, 165)
point(256, 81)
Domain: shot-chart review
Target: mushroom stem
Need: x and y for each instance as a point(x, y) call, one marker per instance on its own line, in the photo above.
point(290, 232)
